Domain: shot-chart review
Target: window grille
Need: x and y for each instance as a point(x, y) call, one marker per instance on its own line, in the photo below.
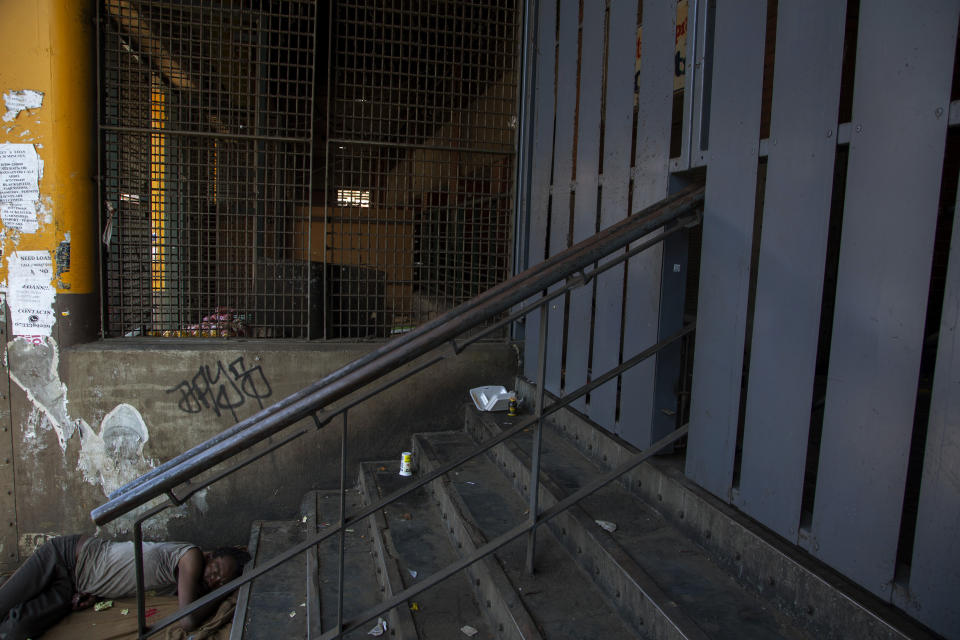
point(422, 118)
point(206, 121)
point(207, 124)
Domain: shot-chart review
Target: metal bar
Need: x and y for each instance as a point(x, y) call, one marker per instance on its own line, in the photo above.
point(510, 535)
point(648, 242)
point(537, 437)
point(343, 514)
point(101, 200)
point(141, 592)
point(309, 215)
point(326, 172)
point(565, 119)
point(219, 476)
point(413, 145)
point(618, 116)
point(398, 352)
point(538, 203)
point(204, 134)
point(579, 281)
point(590, 75)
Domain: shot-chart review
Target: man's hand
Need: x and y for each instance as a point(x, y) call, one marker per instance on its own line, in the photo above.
point(81, 601)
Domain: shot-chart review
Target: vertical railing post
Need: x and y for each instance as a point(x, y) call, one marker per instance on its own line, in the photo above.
point(343, 518)
point(138, 564)
point(537, 437)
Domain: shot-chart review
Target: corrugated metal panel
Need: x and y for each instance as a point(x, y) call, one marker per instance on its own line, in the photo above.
point(786, 319)
point(615, 195)
point(544, 108)
point(586, 187)
point(642, 299)
point(903, 74)
point(934, 578)
point(727, 242)
point(563, 145)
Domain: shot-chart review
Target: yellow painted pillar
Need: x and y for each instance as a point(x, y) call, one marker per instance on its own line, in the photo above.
point(47, 102)
point(48, 246)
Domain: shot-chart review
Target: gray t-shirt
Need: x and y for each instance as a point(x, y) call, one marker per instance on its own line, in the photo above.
point(106, 569)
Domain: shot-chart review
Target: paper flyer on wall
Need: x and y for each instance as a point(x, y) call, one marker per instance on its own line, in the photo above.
point(30, 294)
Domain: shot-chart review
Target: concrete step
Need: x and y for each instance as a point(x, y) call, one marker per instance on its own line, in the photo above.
point(658, 577)
point(365, 582)
point(794, 593)
point(559, 598)
point(281, 603)
point(415, 538)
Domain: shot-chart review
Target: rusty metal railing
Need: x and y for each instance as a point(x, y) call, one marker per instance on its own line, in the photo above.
point(524, 293)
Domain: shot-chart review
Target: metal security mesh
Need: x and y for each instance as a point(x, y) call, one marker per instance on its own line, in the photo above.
point(206, 132)
point(415, 217)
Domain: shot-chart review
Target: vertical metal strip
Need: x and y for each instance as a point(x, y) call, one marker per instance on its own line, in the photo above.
point(615, 197)
point(343, 517)
point(696, 103)
point(793, 245)
point(903, 74)
point(539, 188)
point(586, 187)
point(933, 591)
point(138, 567)
point(651, 177)
point(8, 476)
point(534, 496)
point(566, 90)
point(327, 187)
point(727, 243)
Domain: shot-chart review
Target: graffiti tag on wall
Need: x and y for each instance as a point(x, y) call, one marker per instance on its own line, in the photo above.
point(223, 389)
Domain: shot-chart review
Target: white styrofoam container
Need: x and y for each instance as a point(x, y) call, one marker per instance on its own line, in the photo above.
point(491, 398)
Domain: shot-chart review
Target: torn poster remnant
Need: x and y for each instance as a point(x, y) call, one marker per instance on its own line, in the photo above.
point(17, 101)
point(30, 292)
point(40, 380)
point(20, 172)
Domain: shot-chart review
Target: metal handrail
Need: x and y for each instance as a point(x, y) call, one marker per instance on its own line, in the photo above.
point(577, 265)
point(395, 353)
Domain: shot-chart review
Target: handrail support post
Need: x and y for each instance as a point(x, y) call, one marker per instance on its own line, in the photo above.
point(537, 437)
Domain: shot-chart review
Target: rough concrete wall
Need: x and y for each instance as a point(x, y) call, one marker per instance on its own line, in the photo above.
point(105, 413)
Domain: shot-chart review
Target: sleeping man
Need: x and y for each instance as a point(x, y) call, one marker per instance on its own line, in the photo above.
point(72, 572)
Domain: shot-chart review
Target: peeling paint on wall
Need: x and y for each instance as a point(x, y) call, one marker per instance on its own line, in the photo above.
point(115, 455)
point(109, 457)
point(36, 373)
point(17, 101)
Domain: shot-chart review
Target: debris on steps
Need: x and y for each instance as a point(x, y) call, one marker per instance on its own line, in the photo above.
point(558, 597)
point(414, 536)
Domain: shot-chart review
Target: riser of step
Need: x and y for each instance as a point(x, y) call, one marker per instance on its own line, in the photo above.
point(370, 575)
point(415, 536)
point(506, 611)
point(561, 602)
point(283, 599)
point(655, 575)
point(633, 591)
point(759, 560)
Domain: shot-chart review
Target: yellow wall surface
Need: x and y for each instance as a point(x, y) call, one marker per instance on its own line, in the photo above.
point(48, 48)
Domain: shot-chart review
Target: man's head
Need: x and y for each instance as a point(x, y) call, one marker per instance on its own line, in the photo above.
point(223, 565)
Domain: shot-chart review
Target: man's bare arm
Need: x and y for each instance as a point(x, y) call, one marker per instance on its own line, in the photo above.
point(190, 587)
